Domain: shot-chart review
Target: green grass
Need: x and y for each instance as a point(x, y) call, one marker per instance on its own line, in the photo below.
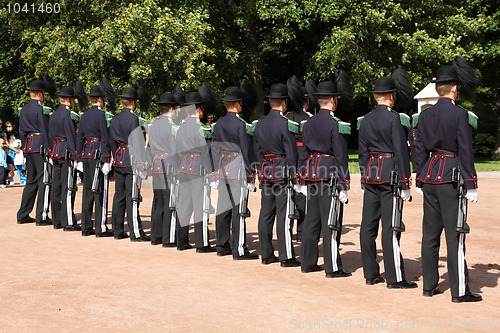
point(482, 164)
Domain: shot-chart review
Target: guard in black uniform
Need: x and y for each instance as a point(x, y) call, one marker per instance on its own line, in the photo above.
point(382, 149)
point(63, 153)
point(93, 148)
point(34, 132)
point(297, 112)
point(275, 150)
point(444, 143)
point(193, 161)
point(162, 146)
point(121, 131)
point(324, 152)
point(233, 154)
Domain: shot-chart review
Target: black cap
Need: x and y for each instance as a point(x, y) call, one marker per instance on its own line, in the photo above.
point(232, 94)
point(66, 91)
point(326, 88)
point(129, 93)
point(193, 98)
point(446, 74)
point(37, 85)
point(95, 91)
point(278, 91)
point(167, 98)
point(384, 85)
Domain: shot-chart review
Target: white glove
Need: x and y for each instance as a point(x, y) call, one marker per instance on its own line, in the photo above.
point(343, 196)
point(471, 195)
point(214, 184)
point(105, 168)
point(143, 174)
point(406, 195)
point(420, 191)
point(251, 187)
point(303, 190)
point(50, 161)
point(79, 166)
point(297, 187)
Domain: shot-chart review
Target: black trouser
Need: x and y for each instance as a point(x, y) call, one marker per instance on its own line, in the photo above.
point(161, 215)
point(316, 223)
point(122, 201)
point(228, 206)
point(377, 204)
point(274, 205)
point(191, 201)
point(440, 211)
point(90, 198)
point(61, 197)
point(300, 204)
point(34, 185)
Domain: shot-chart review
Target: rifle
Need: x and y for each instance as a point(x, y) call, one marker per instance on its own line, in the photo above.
point(71, 172)
point(171, 184)
point(95, 182)
point(397, 203)
point(334, 213)
point(291, 211)
point(207, 207)
point(458, 180)
point(136, 181)
point(47, 169)
point(243, 209)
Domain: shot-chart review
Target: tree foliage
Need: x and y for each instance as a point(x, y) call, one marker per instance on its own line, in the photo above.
point(266, 41)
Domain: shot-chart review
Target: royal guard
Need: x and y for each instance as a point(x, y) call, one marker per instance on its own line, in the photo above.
point(94, 160)
point(232, 153)
point(193, 167)
point(446, 178)
point(385, 178)
point(162, 146)
point(34, 134)
point(129, 166)
point(275, 150)
point(324, 168)
point(63, 154)
point(297, 112)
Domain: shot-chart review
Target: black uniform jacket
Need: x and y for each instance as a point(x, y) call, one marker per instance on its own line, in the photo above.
point(274, 147)
point(162, 144)
point(62, 133)
point(383, 147)
point(33, 127)
point(443, 140)
point(192, 150)
point(122, 125)
point(324, 150)
point(232, 148)
point(92, 134)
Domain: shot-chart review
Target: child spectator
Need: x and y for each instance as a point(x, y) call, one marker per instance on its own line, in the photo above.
point(19, 160)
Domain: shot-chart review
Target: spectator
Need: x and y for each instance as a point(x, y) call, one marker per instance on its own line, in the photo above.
point(210, 119)
point(19, 160)
point(10, 136)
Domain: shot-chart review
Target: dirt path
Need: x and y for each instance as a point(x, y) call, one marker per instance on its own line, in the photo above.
point(52, 280)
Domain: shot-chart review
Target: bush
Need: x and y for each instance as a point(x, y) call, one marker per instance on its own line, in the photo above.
point(484, 144)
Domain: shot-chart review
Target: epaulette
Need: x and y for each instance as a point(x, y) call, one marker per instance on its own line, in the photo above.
point(250, 128)
point(109, 116)
point(19, 111)
point(205, 131)
point(142, 121)
point(472, 119)
point(414, 120)
point(175, 127)
point(360, 119)
point(293, 126)
point(344, 128)
point(46, 110)
point(75, 116)
point(302, 123)
point(405, 120)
